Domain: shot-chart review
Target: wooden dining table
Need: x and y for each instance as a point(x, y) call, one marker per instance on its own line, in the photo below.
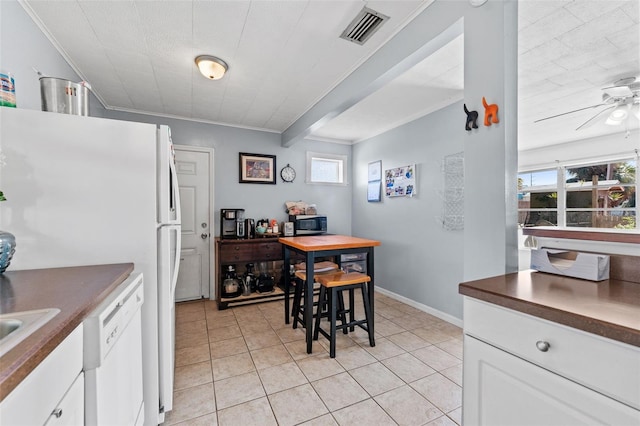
point(312, 247)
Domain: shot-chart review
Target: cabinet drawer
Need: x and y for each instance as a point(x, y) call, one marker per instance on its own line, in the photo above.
point(33, 400)
point(502, 389)
point(236, 252)
point(70, 411)
point(268, 251)
point(604, 365)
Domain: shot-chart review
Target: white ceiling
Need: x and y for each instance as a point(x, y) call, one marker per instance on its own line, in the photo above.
point(284, 56)
point(568, 51)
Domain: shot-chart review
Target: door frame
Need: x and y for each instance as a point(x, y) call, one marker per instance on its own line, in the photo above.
point(212, 246)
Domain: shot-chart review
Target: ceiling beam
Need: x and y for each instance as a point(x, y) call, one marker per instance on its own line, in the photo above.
point(419, 39)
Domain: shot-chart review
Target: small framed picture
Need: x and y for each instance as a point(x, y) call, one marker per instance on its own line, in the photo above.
point(375, 171)
point(257, 168)
point(373, 191)
point(374, 185)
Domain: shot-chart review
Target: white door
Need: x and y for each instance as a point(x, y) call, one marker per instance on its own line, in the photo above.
point(194, 167)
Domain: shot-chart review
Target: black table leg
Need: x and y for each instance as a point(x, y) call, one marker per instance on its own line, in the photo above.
point(308, 300)
point(370, 272)
point(286, 257)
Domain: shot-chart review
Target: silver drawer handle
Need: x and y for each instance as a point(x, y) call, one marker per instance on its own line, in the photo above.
point(57, 412)
point(542, 345)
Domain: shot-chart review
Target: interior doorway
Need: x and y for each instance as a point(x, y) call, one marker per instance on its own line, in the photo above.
point(194, 166)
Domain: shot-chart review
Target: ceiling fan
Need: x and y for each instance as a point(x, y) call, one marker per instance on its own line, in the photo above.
point(619, 101)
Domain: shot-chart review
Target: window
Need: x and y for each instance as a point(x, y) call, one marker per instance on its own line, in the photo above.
point(538, 198)
point(326, 168)
point(595, 195)
point(602, 195)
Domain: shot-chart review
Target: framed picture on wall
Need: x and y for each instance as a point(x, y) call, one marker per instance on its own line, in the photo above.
point(374, 192)
point(257, 168)
point(401, 181)
point(374, 171)
point(374, 184)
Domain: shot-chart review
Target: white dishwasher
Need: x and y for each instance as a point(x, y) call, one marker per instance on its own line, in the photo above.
point(113, 357)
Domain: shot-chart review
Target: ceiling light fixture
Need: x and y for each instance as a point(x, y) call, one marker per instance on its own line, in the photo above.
point(211, 67)
point(618, 115)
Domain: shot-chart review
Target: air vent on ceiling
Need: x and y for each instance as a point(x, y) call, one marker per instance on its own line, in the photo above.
point(363, 26)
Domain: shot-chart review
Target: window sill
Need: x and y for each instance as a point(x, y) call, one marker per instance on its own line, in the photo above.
point(629, 236)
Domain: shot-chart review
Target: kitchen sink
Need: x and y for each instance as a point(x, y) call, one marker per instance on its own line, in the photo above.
point(8, 326)
point(17, 326)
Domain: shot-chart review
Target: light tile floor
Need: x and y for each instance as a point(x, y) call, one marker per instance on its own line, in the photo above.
point(245, 366)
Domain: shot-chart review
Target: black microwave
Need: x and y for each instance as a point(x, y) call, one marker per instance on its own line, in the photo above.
point(308, 224)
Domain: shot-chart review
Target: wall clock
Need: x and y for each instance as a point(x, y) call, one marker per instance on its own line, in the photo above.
point(288, 174)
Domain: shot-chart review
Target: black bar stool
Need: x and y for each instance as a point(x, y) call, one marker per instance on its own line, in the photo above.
point(297, 308)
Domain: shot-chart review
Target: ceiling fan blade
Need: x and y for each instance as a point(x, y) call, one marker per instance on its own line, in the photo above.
point(591, 120)
point(618, 91)
point(569, 112)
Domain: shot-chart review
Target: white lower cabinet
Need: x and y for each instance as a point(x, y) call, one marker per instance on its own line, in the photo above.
point(502, 389)
point(70, 411)
point(521, 370)
point(53, 393)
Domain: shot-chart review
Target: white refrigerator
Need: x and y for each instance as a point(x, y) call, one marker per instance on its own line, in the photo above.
point(85, 190)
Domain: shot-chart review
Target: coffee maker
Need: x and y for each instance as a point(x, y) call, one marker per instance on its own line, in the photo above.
point(232, 224)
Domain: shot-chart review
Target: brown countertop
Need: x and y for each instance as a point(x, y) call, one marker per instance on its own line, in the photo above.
point(608, 308)
point(76, 291)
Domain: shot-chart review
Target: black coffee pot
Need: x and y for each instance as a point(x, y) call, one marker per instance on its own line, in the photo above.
point(264, 282)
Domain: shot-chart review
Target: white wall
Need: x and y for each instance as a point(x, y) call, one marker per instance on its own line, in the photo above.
point(418, 259)
point(258, 200)
point(490, 244)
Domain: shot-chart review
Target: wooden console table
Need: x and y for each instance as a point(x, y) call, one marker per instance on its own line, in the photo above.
point(239, 253)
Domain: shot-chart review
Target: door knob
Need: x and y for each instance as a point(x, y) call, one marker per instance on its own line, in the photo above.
point(543, 346)
point(204, 236)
